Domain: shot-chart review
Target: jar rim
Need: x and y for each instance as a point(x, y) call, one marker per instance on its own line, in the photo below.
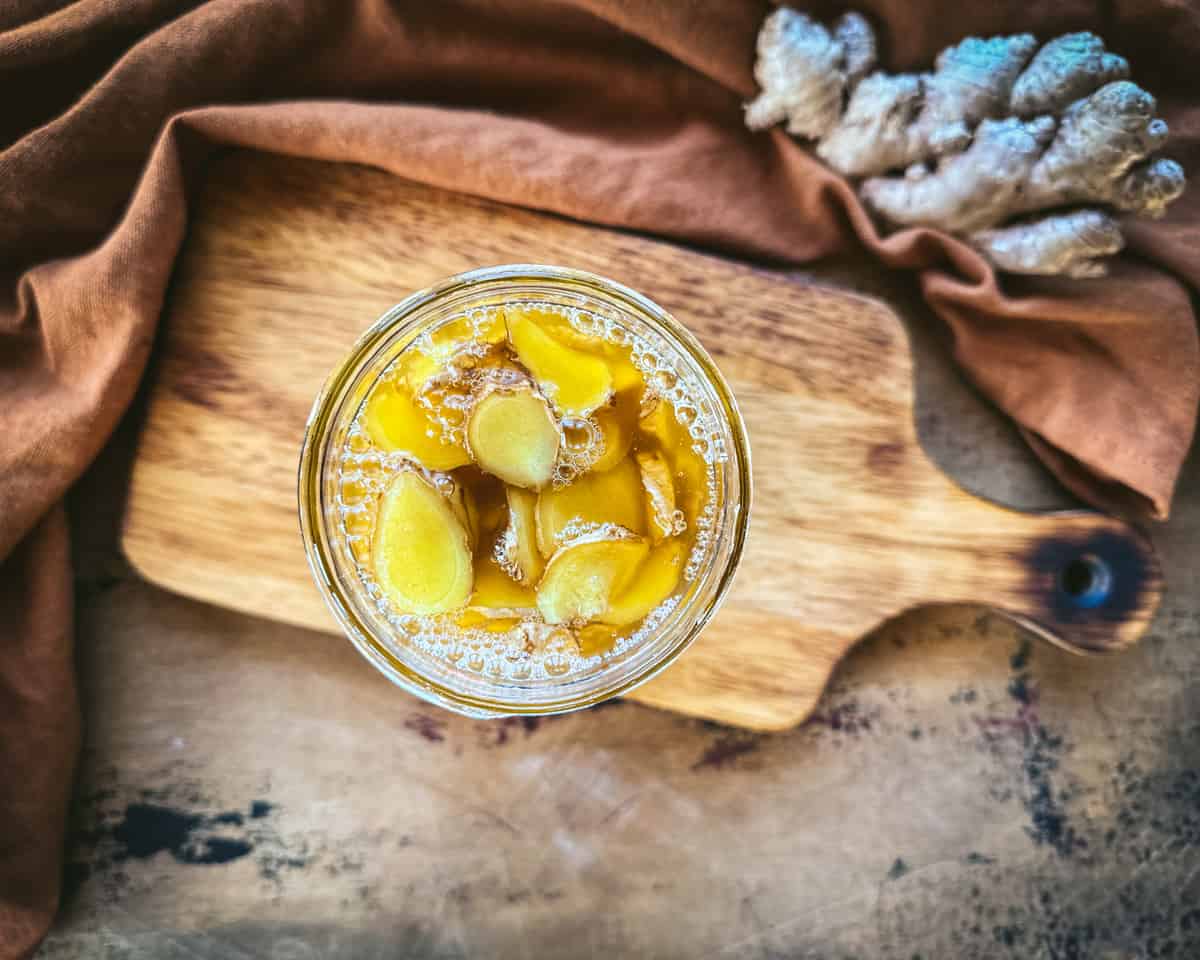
point(405, 318)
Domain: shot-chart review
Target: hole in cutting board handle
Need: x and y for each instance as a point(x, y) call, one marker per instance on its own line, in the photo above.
point(1092, 583)
point(1086, 580)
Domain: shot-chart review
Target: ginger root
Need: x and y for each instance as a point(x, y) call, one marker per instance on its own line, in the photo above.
point(803, 70)
point(1068, 243)
point(999, 132)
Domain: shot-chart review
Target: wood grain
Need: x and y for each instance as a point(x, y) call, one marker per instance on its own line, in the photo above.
point(286, 263)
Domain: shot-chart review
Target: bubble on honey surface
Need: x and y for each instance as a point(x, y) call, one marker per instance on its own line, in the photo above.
point(678, 523)
point(360, 547)
point(586, 323)
point(615, 333)
point(580, 435)
point(556, 664)
point(530, 650)
point(353, 491)
point(583, 445)
point(577, 529)
point(503, 376)
point(664, 381)
point(357, 523)
point(563, 475)
point(646, 630)
point(444, 483)
point(370, 464)
point(516, 649)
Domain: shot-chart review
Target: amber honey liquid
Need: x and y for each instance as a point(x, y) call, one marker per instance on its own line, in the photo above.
point(530, 489)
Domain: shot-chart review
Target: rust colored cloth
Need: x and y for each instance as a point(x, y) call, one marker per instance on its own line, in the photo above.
point(622, 112)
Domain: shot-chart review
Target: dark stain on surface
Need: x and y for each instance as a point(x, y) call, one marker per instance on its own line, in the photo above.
point(293, 935)
point(148, 828)
point(1141, 917)
point(109, 835)
point(977, 859)
point(1159, 811)
point(529, 724)
point(1020, 659)
point(429, 727)
point(847, 717)
point(272, 864)
point(1008, 935)
point(727, 748)
point(1020, 690)
point(503, 728)
point(1049, 824)
point(898, 869)
point(965, 695)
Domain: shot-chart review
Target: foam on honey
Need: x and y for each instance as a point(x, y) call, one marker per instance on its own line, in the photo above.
point(527, 649)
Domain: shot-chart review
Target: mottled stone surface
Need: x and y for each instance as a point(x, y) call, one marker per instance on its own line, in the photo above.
point(254, 790)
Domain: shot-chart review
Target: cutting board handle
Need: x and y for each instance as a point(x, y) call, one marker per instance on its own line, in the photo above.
point(1084, 581)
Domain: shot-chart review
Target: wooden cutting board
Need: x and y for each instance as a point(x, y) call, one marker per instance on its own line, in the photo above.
point(288, 261)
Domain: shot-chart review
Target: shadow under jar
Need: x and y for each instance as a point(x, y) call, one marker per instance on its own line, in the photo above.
point(526, 490)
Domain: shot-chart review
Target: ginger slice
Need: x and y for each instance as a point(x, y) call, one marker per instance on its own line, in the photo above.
point(421, 555)
point(625, 374)
point(660, 494)
point(658, 429)
point(462, 502)
point(491, 507)
point(482, 619)
point(651, 584)
point(657, 421)
point(612, 497)
point(497, 596)
point(617, 422)
point(437, 351)
point(397, 424)
point(575, 382)
point(517, 550)
point(596, 639)
point(584, 574)
point(512, 435)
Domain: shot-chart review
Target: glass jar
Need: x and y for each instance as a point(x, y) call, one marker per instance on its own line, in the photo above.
point(668, 352)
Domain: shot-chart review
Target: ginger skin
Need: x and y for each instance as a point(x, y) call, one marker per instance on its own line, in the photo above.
point(803, 70)
point(1072, 244)
point(999, 132)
